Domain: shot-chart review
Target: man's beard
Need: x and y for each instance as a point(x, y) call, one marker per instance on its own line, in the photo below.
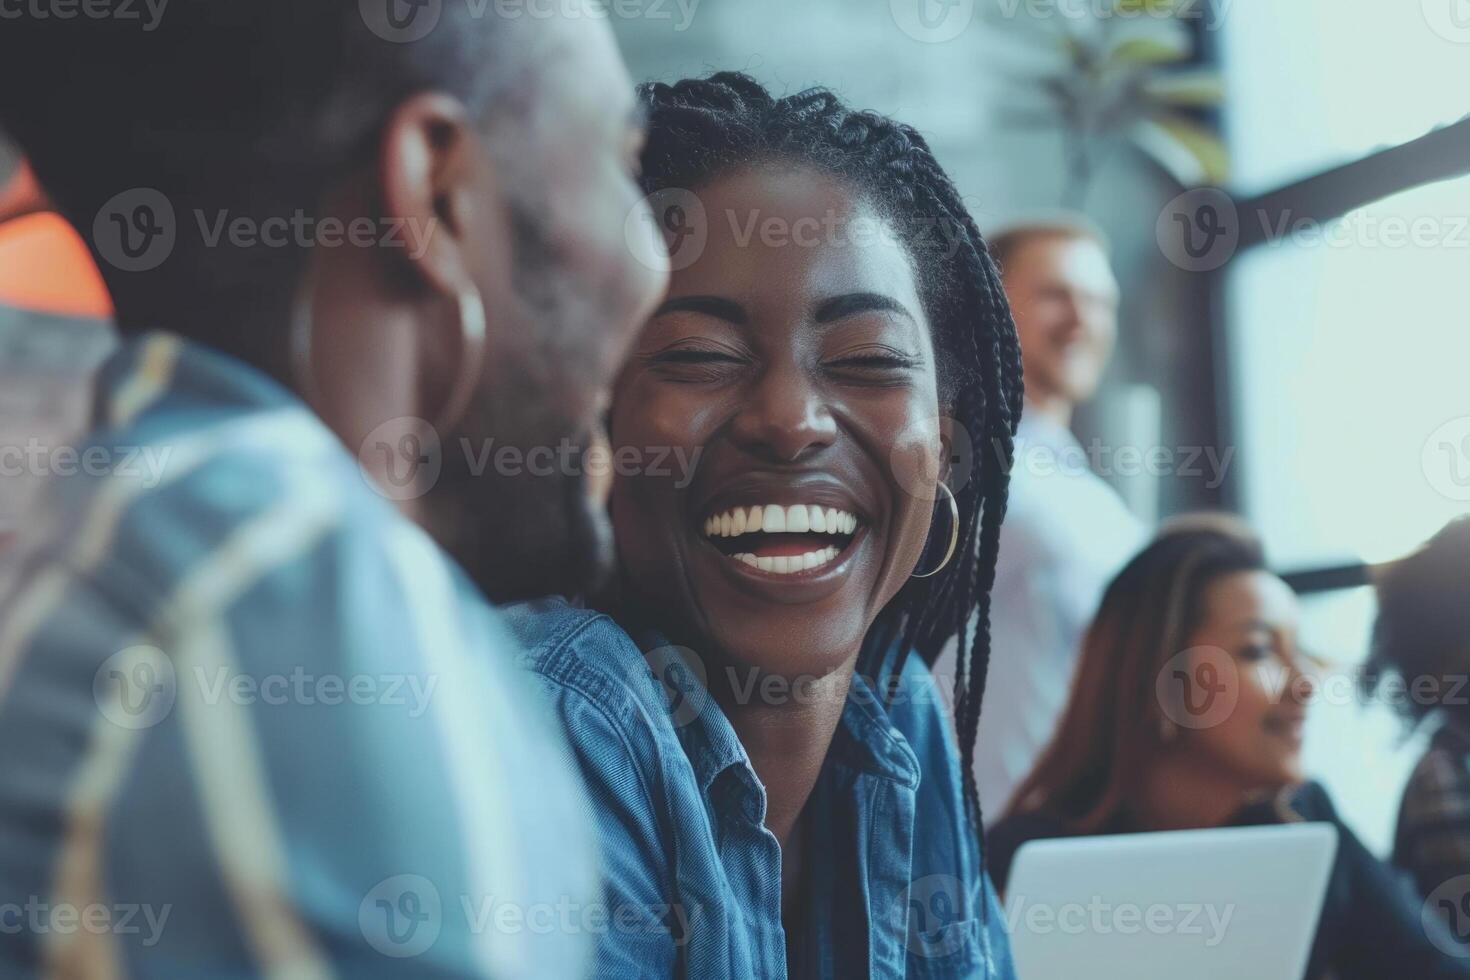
point(526, 534)
point(522, 535)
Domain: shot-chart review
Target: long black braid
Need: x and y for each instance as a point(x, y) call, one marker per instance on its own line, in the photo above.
point(699, 129)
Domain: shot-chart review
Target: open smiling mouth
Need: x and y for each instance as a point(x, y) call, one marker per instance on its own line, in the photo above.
point(784, 540)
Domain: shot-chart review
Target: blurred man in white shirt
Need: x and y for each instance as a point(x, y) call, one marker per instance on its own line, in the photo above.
point(1066, 531)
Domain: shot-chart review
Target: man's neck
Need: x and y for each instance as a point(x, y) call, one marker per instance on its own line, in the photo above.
point(1051, 407)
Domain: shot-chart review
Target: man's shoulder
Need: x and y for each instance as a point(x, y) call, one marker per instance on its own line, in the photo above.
point(260, 508)
point(587, 655)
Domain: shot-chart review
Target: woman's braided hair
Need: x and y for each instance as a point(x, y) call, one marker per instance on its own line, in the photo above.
point(699, 129)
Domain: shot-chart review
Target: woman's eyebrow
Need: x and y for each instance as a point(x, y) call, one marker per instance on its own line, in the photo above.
point(851, 304)
point(715, 306)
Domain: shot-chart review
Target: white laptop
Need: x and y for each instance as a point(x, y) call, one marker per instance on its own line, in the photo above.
point(1228, 904)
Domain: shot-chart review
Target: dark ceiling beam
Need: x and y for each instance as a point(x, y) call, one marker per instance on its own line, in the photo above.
point(1442, 154)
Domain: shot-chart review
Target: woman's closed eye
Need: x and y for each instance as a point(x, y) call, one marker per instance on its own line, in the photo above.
point(874, 365)
point(689, 363)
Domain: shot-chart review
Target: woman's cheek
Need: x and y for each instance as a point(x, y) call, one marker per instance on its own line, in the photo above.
point(915, 468)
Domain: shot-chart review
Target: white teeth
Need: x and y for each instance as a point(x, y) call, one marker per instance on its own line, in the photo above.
point(775, 519)
point(778, 519)
point(788, 564)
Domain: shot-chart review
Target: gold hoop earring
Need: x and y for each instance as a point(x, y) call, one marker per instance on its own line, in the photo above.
point(471, 355)
point(954, 532)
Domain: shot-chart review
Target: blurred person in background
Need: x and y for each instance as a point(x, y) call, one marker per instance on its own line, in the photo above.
point(784, 783)
point(1187, 713)
point(256, 694)
point(1422, 638)
point(1066, 531)
point(53, 334)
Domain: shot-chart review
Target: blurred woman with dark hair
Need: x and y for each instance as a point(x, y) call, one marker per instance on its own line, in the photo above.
point(1187, 713)
point(1422, 637)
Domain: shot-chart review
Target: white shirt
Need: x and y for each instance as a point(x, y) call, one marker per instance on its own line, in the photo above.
point(1066, 534)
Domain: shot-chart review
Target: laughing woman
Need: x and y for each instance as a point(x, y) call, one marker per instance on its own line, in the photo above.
point(776, 786)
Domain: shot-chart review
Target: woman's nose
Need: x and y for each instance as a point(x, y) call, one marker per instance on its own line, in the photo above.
point(784, 418)
point(1303, 678)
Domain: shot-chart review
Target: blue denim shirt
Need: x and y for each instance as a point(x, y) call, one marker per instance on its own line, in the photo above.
point(693, 877)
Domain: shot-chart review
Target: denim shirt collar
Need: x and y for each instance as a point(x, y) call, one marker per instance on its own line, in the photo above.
point(865, 740)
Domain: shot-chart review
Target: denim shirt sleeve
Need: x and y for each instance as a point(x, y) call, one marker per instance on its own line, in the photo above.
point(593, 675)
point(957, 926)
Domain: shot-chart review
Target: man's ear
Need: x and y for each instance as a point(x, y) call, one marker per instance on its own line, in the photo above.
point(434, 177)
